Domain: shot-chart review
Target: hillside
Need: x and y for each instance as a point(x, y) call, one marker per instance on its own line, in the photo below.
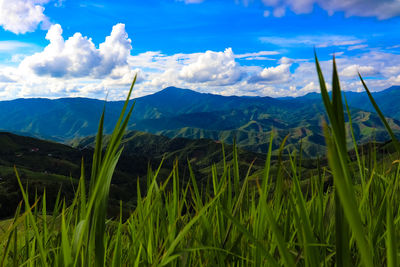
point(43, 164)
point(175, 112)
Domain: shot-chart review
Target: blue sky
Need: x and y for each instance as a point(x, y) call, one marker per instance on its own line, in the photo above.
point(66, 48)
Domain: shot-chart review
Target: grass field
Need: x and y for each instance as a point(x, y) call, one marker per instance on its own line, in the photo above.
point(277, 219)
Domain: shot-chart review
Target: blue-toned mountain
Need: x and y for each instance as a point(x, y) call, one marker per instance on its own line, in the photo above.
point(175, 112)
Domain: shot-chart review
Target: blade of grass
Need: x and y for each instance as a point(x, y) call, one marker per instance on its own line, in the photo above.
point(338, 161)
point(391, 246)
point(32, 221)
point(384, 121)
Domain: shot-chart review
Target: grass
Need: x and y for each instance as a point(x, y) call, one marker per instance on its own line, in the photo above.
point(278, 219)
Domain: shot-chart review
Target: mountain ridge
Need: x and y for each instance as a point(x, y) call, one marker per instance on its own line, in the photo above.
point(170, 89)
point(176, 112)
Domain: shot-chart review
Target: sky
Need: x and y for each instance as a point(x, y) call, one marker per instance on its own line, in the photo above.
point(74, 48)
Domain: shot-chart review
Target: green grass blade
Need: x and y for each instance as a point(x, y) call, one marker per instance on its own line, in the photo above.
point(283, 250)
point(348, 202)
point(185, 230)
point(338, 161)
point(384, 121)
point(391, 246)
point(354, 142)
point(97, 151)
point(32, 221)
point(65, 245)
point(257, 243)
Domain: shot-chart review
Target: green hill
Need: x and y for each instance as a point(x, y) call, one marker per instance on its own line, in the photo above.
point(175, 112)
point(43, 164)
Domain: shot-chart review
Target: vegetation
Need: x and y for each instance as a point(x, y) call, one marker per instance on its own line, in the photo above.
point(175, 112)
point(43, 164)
point(276, 218)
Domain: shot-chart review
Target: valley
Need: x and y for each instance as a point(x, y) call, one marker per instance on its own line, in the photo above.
point(175, 112)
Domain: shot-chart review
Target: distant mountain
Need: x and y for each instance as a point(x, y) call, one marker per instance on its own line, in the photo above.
point(175, 112)
point(388, 101)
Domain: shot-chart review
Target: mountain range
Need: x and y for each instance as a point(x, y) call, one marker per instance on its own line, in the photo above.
point(175, 112)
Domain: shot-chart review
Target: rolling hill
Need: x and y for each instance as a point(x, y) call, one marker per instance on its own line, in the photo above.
point(175, 112)
point(43, 164)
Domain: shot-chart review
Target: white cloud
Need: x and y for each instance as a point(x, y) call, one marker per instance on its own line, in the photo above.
point(6, 79)
point(379, 69)
point(17, 58)
point(278, 74)
point(395, 79)
point(337, 54)
point(115, 50)
point(259, 58)
point(382, 9)
point(218, 68)
point(267, 13)
point(59, 3)
point(11, 46)
point(309, 88)
point(312, 40)
point(21, 16)
point(393, 47)
point(286, 60)
point(78, 67)
point(78, 56)
point(356, 47)
point(279, 12)
point(257, 54)
point(392, 70)
point(353, 70)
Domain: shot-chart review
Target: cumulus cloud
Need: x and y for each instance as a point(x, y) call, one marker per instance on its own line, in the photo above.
point(219, 68)
point(78, 56)
point(211, 72)
point(21, 16)
point(379, 69)
point(383, 9)
point(353, 70)
point(286, 60)
point(90, 70)
point(278, 74)
point(6, 79)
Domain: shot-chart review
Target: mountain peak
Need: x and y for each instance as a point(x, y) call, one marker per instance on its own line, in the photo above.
point(176, 90)
point(171, 88)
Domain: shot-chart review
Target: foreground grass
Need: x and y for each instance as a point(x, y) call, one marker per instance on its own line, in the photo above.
point(229, 221)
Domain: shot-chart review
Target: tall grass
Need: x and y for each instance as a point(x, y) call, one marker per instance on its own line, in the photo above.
point(275, 219)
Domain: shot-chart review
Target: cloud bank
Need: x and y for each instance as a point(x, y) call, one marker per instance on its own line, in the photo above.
point(382, 9)
point(22, 16)
point(75, 66)
point(78, 56)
